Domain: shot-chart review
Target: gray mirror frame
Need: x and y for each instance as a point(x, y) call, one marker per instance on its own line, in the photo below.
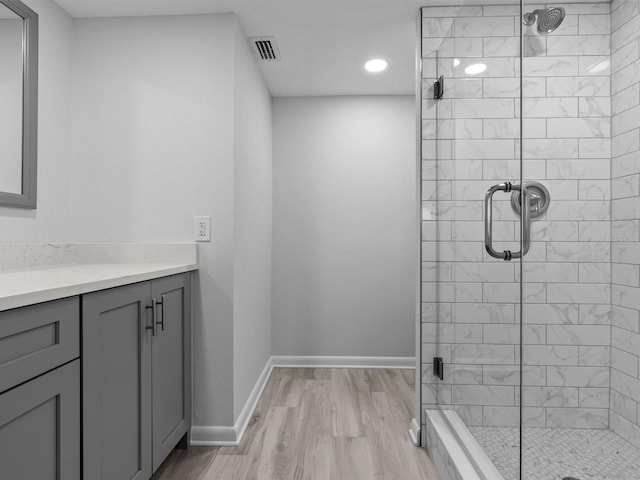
point(27, 199)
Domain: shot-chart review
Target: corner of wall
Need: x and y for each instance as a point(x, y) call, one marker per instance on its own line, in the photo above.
point(232, 436)
point(252, 183)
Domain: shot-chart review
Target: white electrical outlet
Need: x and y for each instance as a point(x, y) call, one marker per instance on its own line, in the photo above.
point(202, 229)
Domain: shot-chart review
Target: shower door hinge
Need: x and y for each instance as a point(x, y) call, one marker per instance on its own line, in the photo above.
point(438, 88)
point(438, 367)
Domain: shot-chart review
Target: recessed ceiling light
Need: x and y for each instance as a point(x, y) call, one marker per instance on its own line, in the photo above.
point(375, 65)
point(475, 68)
point(456, 62)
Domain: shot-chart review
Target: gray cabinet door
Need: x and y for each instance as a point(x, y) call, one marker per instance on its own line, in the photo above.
point(116, 353)
point(171, 365)
point(40, 427)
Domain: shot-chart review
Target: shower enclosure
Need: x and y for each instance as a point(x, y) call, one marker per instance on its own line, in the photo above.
point(530, 298)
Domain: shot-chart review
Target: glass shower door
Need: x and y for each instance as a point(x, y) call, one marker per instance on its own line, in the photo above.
point(471, 165)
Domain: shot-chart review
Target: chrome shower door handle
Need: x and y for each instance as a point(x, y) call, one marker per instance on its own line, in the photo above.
point(526, 220)
point(488, 221)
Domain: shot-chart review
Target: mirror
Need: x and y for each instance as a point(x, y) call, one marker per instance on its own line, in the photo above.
point(18, 104)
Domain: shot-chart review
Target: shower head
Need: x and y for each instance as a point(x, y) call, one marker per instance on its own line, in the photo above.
point(548, 19)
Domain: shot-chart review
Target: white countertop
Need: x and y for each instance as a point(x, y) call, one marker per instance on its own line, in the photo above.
point(26, 286)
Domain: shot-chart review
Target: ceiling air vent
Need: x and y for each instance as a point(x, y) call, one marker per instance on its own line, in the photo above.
point(265, 48)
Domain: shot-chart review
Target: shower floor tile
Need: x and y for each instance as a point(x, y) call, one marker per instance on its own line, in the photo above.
point(554, 453)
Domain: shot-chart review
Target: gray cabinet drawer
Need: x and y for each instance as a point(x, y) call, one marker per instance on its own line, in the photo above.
point(35, 339)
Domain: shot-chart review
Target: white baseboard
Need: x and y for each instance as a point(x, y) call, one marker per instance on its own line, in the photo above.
point(231, 436)
point(252, 401)
point(414, 432)
point(343, 362)
point(214, 436)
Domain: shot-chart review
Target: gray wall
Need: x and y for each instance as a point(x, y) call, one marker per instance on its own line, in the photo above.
point(344, 226)
point(252, 224)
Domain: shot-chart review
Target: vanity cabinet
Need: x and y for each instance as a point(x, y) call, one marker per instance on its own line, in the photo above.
point(40, 392)
point(136, 377)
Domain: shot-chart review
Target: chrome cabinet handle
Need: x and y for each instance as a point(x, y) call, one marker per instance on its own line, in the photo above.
point(526, 220)
point(161, 303)
point(152, 307)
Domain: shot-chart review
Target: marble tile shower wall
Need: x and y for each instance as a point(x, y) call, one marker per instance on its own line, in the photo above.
point(625, 216)
point(470, 309)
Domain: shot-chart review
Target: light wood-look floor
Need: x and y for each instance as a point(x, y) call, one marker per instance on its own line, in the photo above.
point(318, 424)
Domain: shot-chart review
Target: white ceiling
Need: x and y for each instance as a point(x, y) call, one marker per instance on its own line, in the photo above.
point(323, 43)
